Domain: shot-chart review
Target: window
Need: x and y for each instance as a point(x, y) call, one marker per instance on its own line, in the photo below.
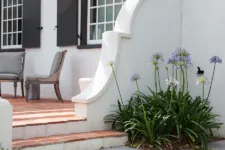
point(102, 17)
point(11, 23)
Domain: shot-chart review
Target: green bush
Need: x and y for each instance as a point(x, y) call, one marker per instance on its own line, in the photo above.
point(160, 116)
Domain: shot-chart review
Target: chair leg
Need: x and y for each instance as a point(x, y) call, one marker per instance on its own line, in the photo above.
point(22, 88)
point(27, 86)
point(15, 88)
point(0, 89)
point(57, 91)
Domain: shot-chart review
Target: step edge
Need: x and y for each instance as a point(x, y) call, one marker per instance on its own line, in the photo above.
point(70, 141)
point(56, 122)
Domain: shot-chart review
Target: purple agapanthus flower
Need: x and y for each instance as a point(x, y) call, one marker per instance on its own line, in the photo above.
point(135, 77)
point(157, 57)
point(215, 59)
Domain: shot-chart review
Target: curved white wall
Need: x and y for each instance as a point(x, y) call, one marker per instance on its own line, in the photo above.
point(162, 26)
point(155, 27)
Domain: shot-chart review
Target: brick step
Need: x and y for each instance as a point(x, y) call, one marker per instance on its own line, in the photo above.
point(42, 111)
point(79, 141)
point(24, 129)
point(43, 116)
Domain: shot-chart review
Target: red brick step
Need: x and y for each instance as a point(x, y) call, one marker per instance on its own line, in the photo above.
point(70, 138)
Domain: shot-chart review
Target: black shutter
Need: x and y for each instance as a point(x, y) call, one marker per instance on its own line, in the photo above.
point(31, 23)
point(84, 14)
point(67, 22)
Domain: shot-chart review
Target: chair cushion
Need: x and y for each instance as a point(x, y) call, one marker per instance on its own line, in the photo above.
point(11, 63)
point(36, 77)
point(56, 63)
point(8, 77)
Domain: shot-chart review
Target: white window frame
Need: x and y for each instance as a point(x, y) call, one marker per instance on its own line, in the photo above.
point(12, 32)
point(89, 41)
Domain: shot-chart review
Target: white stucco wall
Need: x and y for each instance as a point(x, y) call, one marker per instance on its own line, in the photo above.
point(156, 27)
point(162, 26)
point(78, 63)
point(203, 35)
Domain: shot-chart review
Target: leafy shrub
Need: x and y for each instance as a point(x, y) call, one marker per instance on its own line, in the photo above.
point(160, 116)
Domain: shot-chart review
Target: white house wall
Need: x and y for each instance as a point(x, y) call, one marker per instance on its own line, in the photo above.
point(203, 35)
point(78, 63)
point(155, 28)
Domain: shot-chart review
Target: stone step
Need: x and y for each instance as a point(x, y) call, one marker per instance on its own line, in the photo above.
point(45, 126)
point(79, 141)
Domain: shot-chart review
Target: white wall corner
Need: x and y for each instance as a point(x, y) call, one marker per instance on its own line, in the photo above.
point(6, 118)
point(81, 110)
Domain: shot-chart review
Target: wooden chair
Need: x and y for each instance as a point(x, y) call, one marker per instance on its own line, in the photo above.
point(12, 69)
point(52, 78)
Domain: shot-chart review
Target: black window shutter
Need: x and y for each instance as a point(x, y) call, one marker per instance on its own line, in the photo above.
point(67, 22)
point(31, 23)
point(84, 14)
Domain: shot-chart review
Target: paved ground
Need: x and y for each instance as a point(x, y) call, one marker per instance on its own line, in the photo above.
point(121, 148)
point(217, 145)
point(213, 146)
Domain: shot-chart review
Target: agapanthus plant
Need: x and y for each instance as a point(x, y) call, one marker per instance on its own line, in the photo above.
point(214, 60)
point(111, 64)
point(157, 58)
point(180, 60)
point(203, 81)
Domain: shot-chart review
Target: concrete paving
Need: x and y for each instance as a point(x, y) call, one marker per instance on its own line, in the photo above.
point(220, 145)
point(121, 148)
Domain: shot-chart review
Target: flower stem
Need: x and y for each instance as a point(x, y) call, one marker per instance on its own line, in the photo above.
point(159, 80)
point(203, 91)
point(183, 79)
point(176, 74)
point(173, 71)
point(214, 68)
point(113, 70)
point(156, 88)
point(167, 74)
point(139, 95)
point(186, 78)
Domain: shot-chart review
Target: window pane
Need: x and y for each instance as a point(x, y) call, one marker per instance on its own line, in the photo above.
point(4, 26)
point(19, 11)
point(14, 2)
point(118, 1)
point(9, 26)
point(100, 31)
point(101, 14)
point(14, 12)
point(19, 39)
point(93, 32)
point(9, 2)
point(109, 1)
point(93, 15)
point(5, 3)
point(14, 39)
point(109, 13)
point(117, 10)
point(4, 39)
point(93, 2)
point(10, 39)
point(20, 25)
point(101, 2)
point(5, 13)
point(14, 25)
point(109, 27)
point(10, 13)
point(19, 1)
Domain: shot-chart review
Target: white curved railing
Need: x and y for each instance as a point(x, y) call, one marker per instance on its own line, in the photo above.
point(110, 52)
